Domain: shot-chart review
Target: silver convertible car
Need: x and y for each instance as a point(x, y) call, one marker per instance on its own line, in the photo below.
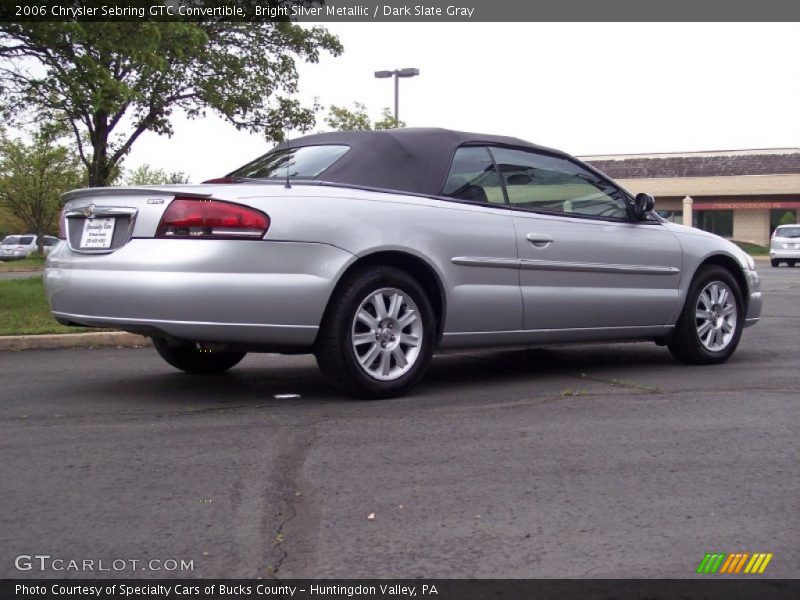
point(372, 250)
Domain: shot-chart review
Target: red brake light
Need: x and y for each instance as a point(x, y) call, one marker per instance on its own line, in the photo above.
point(197, 218)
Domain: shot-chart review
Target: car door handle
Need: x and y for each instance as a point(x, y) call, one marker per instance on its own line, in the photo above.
point(540, 240)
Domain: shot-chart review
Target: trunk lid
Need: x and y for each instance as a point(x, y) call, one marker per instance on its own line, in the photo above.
point(101, 220)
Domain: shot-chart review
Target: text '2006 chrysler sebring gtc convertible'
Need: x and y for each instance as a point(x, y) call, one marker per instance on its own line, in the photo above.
point(374, 249)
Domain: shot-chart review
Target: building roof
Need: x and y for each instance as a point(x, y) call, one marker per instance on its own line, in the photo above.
point(413, 160)
point(774, 161)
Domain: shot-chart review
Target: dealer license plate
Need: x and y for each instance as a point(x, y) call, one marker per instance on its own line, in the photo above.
point(97, 234)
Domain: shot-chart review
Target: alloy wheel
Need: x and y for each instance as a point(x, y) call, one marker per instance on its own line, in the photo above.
point(716, 316)
point(386, 334)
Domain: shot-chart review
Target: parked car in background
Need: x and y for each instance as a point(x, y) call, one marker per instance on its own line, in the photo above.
point(785, 245)
point(373, 249)
point(16, 247)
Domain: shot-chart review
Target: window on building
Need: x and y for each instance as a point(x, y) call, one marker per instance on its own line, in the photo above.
point(781, 216)
point(719, 222)
point(673, 216)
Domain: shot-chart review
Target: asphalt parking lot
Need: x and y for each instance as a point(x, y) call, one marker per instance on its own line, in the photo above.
point(593, 461)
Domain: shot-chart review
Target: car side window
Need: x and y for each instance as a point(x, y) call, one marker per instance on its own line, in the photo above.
point(473, 177)
point(552, 184)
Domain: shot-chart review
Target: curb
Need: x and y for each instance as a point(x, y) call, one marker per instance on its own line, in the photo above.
point(23, 270)
point(116, 339)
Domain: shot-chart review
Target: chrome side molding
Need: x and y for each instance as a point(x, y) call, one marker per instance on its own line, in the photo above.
point(556, 265)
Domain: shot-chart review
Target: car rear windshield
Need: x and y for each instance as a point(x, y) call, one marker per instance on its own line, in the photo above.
point(791, 232)
point(305, 162)
point(16, 240)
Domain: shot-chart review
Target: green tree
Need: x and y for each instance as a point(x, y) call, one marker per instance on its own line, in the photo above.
point(787, 218)
point(33, 175)
point(147, 175)
point(387, 121)
point(110, 82)
point(8, 223)
point(344, 119)
point(356, 119)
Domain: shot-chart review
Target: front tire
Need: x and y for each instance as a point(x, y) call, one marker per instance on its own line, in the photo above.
point(710, 325)
point(774, 262)
point(378, 334)
point(188, 357)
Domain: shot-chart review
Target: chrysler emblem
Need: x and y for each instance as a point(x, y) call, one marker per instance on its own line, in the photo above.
point(88, 211)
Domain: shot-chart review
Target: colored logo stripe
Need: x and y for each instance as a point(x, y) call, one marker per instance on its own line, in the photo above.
point(734, 563)
point(719, 562)
point(758, 563)
point(710, 563)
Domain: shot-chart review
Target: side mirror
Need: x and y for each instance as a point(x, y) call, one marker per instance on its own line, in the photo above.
point(643, 204)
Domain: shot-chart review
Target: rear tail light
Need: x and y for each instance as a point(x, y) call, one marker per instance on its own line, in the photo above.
point(211, 219)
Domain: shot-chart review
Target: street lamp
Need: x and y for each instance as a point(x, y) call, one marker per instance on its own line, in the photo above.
point(397, 74)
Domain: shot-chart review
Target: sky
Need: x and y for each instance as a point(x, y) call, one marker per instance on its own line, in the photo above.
point(585, 88)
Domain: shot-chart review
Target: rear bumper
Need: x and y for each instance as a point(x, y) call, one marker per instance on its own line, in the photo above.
point(10, 257)
point(232, 291)
point(784, 254)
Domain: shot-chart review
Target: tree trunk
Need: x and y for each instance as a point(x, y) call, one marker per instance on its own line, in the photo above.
point(99, 170)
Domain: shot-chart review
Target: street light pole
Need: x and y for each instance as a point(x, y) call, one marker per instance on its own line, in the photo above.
point(397, 74)
point(396, 98)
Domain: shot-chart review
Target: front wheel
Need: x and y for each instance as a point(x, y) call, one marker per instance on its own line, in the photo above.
point(378, 334)
point(712, 319)
point(188, 357)
point(775, 263)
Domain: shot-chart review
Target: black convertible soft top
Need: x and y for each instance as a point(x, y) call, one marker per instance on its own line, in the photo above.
point(414, 160)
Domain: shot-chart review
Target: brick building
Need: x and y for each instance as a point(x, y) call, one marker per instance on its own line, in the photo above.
point(738, 194)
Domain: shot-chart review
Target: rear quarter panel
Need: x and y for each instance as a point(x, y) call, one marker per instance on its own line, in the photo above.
point(364, 222)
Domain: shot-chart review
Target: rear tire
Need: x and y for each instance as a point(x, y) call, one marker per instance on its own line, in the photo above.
point(775, 263)
point(371, 352)
point(187, 357)
point(710, 325)
point(790, 263)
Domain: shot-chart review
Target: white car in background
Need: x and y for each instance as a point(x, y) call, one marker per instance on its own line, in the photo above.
point(17, 247)
point(785, 245)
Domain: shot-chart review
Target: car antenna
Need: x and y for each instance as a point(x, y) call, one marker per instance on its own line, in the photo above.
point(288, 185)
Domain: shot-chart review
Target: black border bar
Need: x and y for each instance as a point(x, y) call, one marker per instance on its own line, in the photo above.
point(406, 11)
point(706, 588)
